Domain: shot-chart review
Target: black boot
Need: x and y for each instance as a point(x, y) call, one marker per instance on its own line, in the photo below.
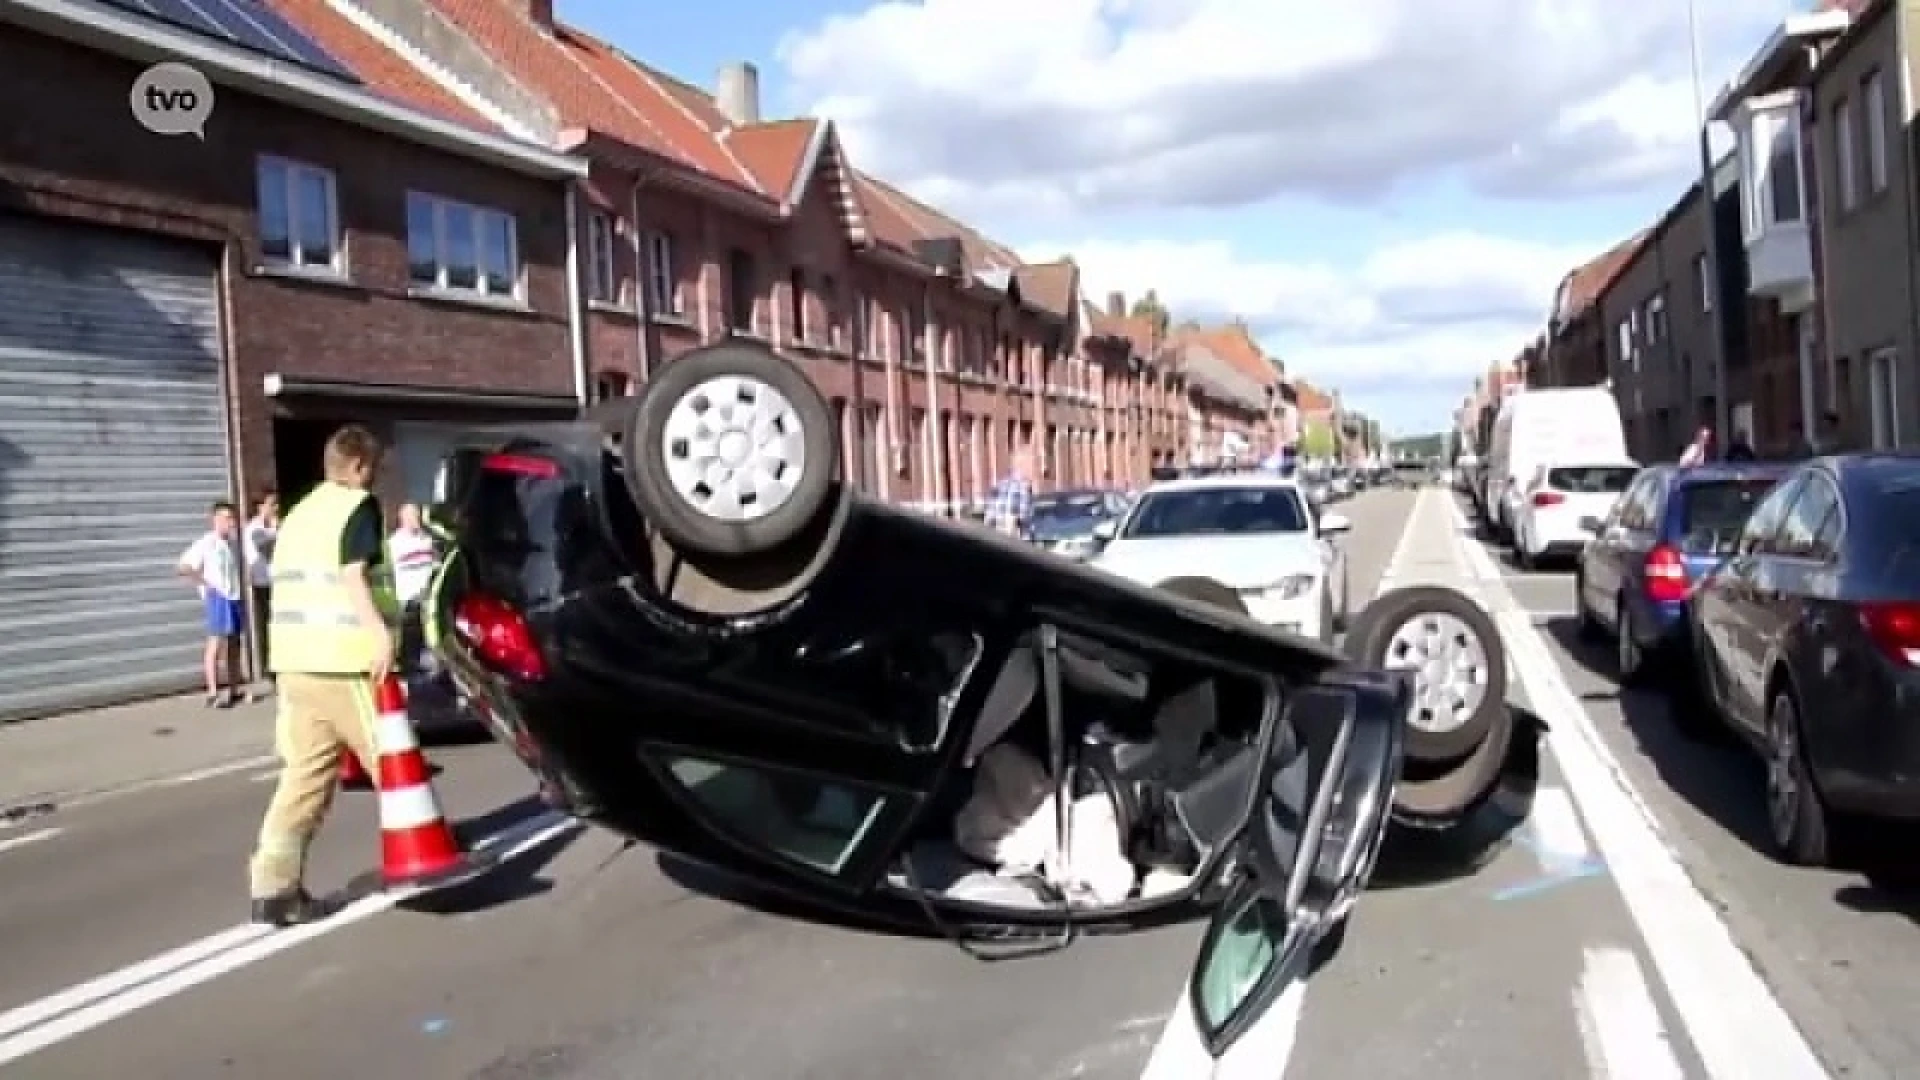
point(287, 909)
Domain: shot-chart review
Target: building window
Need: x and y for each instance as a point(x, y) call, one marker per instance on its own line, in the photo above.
point(1776, 169)
point(1657, 319)
point(456, 247)
point(1846, 155)
point(608, 385)
point(862, 325)
point(797, 328)
point(1703, 281)
point(299, 216)
point(663, 276)
point(830, 310)
point(1882, 396)
point(1873, 112)
point(743, 288)
point(606, 277)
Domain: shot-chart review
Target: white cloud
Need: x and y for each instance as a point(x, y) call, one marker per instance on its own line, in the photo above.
point(1404, 330)
point(1075, 107)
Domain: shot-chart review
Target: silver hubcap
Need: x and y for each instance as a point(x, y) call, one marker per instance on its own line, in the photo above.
point(1783, 776)
point(734, 449)
point(1449, 662)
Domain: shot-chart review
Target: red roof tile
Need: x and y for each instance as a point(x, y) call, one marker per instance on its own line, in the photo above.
point(1588, 282)
point(384, 72)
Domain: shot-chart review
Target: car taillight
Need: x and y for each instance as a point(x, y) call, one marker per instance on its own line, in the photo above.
point(1666, 575)
point(537, 468)
point(1548, 498)
point(500, 636)
point(1895, 627)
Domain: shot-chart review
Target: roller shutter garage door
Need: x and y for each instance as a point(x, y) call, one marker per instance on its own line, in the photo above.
point(112, 449)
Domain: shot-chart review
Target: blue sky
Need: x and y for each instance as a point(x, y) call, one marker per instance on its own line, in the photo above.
point(1388, 191)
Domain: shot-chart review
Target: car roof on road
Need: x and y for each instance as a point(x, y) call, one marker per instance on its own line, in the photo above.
point(1225, 482)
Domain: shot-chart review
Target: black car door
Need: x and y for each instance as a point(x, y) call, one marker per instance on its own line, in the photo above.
point(1733, 614)
point(1307, 855)
point(1794, 572)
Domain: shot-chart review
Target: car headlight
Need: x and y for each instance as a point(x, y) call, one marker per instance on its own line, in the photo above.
point(1290, 588)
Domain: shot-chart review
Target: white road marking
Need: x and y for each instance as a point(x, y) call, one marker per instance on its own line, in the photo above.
point(1619, 1023)
point(1559, 839)
point(1180, 1053)
point(1403, 547)
point(1739, 1029)
point(39, 1024)
point(211, 772)
point(14, 843)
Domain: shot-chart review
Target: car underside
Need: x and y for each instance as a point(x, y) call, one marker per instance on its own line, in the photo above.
point(920, 722)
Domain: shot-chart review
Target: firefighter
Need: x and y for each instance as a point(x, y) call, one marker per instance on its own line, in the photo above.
point(331, 640)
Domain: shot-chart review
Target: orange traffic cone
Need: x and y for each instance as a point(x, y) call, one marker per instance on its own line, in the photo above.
point(416, 843)
point(353, 774)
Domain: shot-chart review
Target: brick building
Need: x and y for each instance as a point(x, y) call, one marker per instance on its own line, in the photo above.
point(181, 319)
point(940, 348)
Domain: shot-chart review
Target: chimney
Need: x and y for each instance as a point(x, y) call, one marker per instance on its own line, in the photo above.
point(1117, 304)
point(738, 93)
point(540, 13)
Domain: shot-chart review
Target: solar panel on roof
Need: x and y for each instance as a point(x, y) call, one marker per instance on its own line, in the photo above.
point(248, 24)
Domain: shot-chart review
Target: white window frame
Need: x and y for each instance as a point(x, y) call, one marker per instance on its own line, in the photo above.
point(1771, 125)
point(1873, 113)
point(289, 173)
point(1703, 279)
point(1657, 318)
point(1883, 397)
point(1846, 154)
point(604, 279)
point(663, 275)
point(482, 215)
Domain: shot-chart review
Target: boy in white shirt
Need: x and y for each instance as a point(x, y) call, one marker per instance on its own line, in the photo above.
point(213, 566)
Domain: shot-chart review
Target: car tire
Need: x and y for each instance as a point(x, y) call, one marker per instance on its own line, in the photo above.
point(1797, 817)
point(1629, 659)
point(673, 482)
point(1383, 636)
point(1586, 627)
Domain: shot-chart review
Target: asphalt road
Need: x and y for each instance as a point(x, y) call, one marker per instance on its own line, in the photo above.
point(581, 959)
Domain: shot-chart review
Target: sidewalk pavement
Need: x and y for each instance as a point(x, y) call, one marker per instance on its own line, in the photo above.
point(65, 757)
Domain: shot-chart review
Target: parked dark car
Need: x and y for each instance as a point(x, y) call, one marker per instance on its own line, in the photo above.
point(1667, 530)
point(734, 658)
point(1807, 644)
point(1065, 521)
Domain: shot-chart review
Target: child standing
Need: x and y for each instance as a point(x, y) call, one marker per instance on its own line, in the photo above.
point(213, 565)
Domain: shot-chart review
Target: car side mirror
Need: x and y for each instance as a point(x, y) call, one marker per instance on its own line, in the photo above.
point(1591, 524)
point(1106, 531)
point(1335, 525)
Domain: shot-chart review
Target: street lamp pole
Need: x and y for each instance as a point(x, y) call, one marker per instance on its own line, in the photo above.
point(1717, 341)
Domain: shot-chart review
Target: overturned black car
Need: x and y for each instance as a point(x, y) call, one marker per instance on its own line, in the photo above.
point(695, 635)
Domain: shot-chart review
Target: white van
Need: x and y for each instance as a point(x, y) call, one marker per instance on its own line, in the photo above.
point(1537, 428)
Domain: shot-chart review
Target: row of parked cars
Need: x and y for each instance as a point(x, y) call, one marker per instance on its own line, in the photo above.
point(1778, 601)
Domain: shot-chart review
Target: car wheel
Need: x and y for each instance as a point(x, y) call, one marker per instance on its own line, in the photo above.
point(1453, 649)
point(731, 450)
point(1796, 816)
point(1628, 658)
point(1585, 625)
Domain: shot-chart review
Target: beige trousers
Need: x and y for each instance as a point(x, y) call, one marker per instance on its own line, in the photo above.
point(319, 716)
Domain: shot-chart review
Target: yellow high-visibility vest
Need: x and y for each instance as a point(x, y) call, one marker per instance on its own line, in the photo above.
point(314, 627)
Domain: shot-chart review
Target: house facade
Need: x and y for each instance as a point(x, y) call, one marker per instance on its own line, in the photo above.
point(184, 320)
point(1867, 258)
